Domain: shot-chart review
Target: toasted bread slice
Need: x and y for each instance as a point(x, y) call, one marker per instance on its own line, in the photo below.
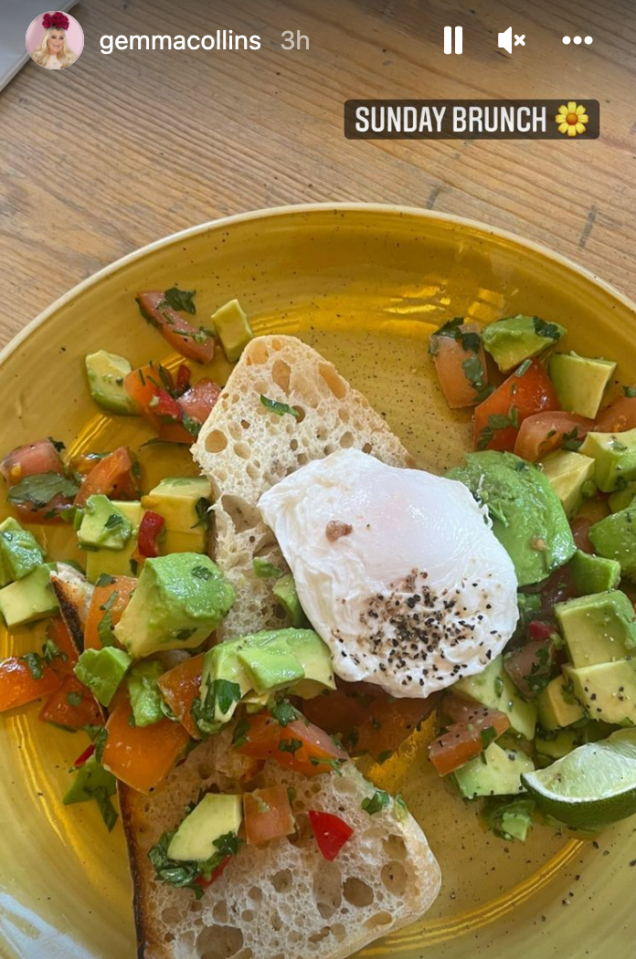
point(281, 900)
point(245, 448)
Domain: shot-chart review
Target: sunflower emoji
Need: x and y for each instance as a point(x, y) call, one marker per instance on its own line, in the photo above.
point(572, 119)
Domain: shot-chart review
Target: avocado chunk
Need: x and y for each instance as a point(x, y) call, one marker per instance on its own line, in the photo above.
point(497, 772)
point(120, 562)
point(232, 327)
point(600, 628)
point(607, 691)
point(518, 338)
point(580, 382)
point(103, 525)
point(106, 372)
point(173, 541)
point(615, 458)
point(622, 498)
point(594, 574)
point(494, 688)
point(20, 552)
point(527, 516)
point(263, 663)
point(87, 779)
point(30, 598)
point(285, 592)
point(102, 670)
point(558, 743)
point(570, 475)
point(615, 538)
point(145, 696)
point(183, 501)
point(511, 819)
point(216, 815)
point(558, 706)
point(179, 601)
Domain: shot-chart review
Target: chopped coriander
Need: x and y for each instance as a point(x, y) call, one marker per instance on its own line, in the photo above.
point(113, 521)
point(105, 579)
point(377, 802)
point(202, 510)
point(630, 392)
point(180, 300)
point(184, 634)
point(51, 651)
point(499, 686)
point(487, 736)
point(571, 440)
point(289, 745)
point(284, 713)
point(523, 369)
point(278, 408)
point(382, 757)
point(40, 488)
point(239, 736)
point(474, 373)
point(202, 572)
point(496, 422)
point(33, 662)
point(549, 330)
point(74, 698)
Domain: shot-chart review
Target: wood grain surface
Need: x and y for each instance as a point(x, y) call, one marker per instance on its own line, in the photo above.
point(119, 150)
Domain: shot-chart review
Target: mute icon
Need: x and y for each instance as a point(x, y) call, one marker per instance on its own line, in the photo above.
point(505, 40)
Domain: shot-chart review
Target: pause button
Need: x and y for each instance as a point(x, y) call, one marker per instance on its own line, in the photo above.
point(453, 39)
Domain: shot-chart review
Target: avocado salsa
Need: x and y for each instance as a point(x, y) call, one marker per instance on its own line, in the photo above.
point(128, 654)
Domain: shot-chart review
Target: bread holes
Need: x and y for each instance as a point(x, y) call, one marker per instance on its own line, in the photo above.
point(276, 921)
point(277, 345)
point(293, 445)
point(248, 915)
point(255, 894)
point(367, 448)
point(333, 380)
point(393, 878)
point(338, 930)
point(171, 916)
point(301, 459)
point(282, 881)
point(379, 919)
point(394, 847)
point(196, 906)
point(204, 771)
point(330, 448)
point(242, 450)
point(357, 892)
point(245, 424)
point(251, 471)
point(243, 516)
point(343, 413)
point(281, 373)
point(235, 431)
point(215, 442)
point(257, 353)
point(169, 937)
point(328, 889)
point(219, 942)
point(318, 937)
point(346, 440)
point(219, 912)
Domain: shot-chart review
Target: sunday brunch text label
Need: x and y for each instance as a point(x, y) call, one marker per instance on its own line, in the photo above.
point(462, 119)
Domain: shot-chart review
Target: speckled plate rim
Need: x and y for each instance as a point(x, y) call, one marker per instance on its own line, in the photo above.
point(305, 209)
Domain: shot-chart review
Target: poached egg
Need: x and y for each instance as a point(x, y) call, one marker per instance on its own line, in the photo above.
point(398, 571)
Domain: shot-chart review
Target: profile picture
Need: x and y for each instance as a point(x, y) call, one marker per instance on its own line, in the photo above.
point(54, 40)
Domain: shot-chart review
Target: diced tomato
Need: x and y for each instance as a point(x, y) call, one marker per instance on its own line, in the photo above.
point(267, 814)
point(544, 432)
point(150, 530)
point(539, 630)
point(299, 746)
point(124, 586)
point(389, 722)
point(18, 686)
point(196, 343)
point(200, 399)
point(618, 416)
point(526, 392)
point(215, 874)
point(529, 666)
point(183, 379)
point(369, 721)
point(450, 357)
point(180, 687)
point(141, 756)
point(331, 833)
point(34, 460)
point(57, 631)
point(466, 738)
point(592, 511)
point(84, 757)
point(113, 475)
point(152, 393)
point(72, 705)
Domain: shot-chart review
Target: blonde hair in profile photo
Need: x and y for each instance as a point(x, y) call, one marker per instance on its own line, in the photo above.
point(65, 56)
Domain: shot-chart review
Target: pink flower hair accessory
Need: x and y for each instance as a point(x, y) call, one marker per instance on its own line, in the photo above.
point(56, 21)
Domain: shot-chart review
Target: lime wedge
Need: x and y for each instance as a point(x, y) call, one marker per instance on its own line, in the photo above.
point(591, 787)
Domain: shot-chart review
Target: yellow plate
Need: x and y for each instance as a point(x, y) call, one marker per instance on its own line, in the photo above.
point(365, 285)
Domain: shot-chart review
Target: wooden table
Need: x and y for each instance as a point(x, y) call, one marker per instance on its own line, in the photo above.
point(123, 149)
